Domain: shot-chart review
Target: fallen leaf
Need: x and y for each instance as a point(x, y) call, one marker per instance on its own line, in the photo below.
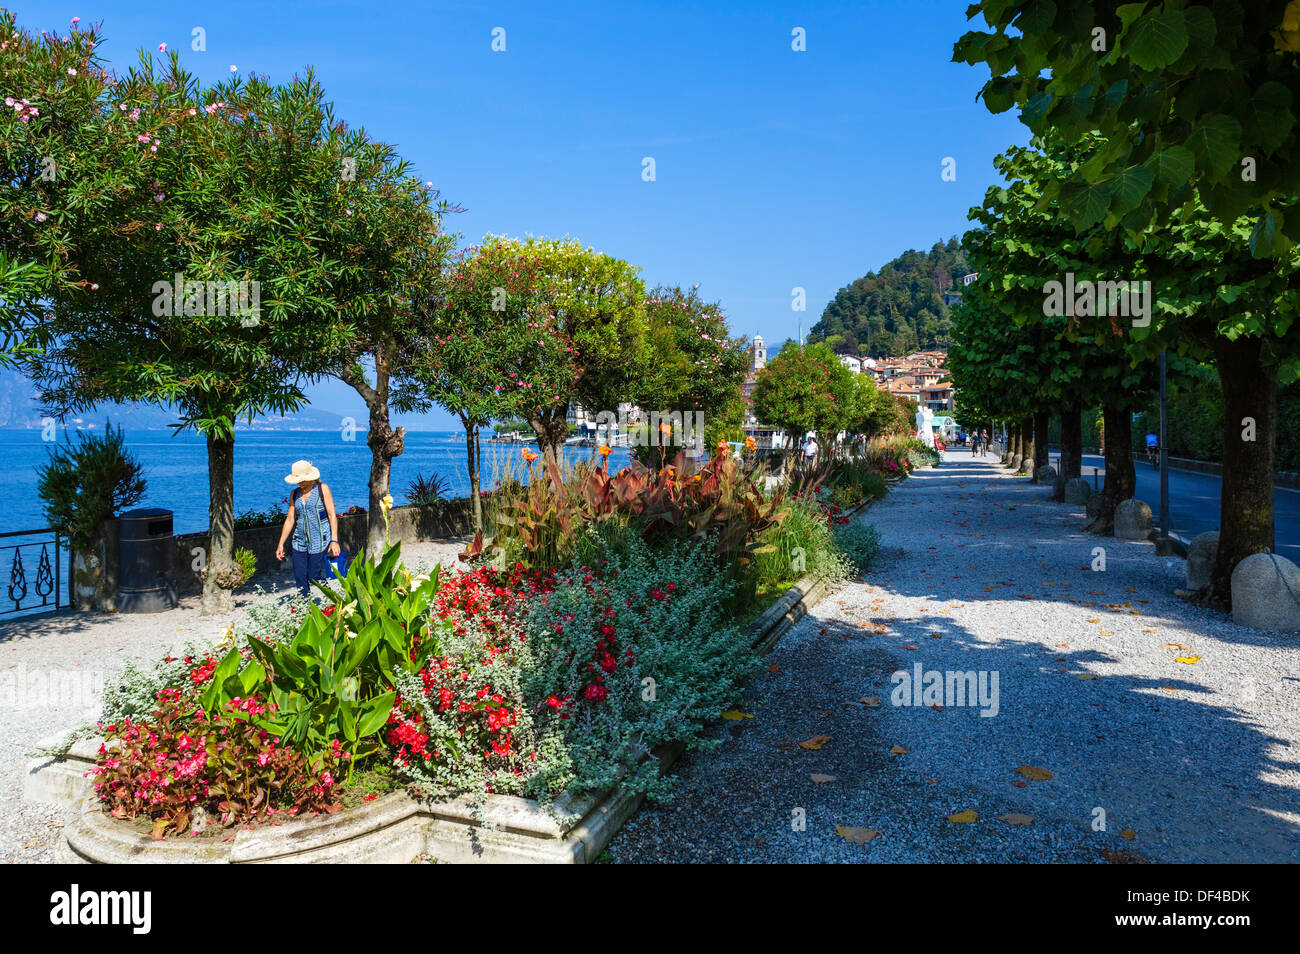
point(1020, 783)
point(1033, 773)
point(1017, 818)
point(1128, 834)
point(871, 702)
point(964, 818)
point(1189, 660)
point(908, 646)
point(1085, 675)
point(1103, 633)
point(774, 668)
point(936, 707)
point(735, 715)
point(856, 836)
point(816, 742)
point(1092, 620)
point(822, 779)
point(1062, 645)
point(1174, 646)
point(1148, 630)
point(898, 750)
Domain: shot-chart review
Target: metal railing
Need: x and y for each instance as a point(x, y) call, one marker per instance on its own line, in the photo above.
point(34, 574)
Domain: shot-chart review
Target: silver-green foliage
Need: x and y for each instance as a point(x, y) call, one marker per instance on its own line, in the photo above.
point(690, 662)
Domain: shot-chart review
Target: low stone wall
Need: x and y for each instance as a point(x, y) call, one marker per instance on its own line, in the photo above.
point(451, 518)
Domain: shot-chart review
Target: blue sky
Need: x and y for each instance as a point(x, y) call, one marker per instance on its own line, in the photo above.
point(774, 168)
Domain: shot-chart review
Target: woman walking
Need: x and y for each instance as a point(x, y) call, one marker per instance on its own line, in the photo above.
point(313, 523)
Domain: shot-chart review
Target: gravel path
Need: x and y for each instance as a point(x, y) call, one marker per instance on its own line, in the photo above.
point(1193, 761)
point(75, 654)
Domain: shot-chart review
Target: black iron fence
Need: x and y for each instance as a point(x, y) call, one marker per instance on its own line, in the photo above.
point(32, 572)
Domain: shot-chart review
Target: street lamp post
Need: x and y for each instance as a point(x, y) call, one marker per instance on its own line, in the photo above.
point(1164, 454)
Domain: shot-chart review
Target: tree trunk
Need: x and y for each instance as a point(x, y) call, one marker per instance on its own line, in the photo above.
point(1013, 444)
point(471, 451)
point(1041, 458)
point(1027, 446)
point(1121, 478)
point(1246, 494)
point(220, 566)
point(385, 443)
point(552, 428)
point(1071, 450)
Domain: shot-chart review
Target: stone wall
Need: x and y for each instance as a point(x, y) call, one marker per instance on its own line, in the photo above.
point(408, 524)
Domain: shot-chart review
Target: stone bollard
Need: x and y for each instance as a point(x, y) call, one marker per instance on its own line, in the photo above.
point(1200, 559)
point(1047, 475)
point(1077, 490)
point(1016, 461)
point(1092, 505)
point(1132, 520)
point(1265, 593)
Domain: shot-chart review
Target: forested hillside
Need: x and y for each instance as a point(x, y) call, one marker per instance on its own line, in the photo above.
point(897, 310)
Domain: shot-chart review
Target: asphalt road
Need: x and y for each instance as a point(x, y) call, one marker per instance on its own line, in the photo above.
point(1194, 502)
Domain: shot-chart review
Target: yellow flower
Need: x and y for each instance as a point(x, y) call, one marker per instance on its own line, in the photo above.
point(386, 503)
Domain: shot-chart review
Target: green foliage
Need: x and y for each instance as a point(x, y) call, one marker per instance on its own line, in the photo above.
point(334, 678)
point(426, 490)
point(806, 389)
point(801, 544)
point(252, 519)
point(1182, 94)
point(88, 482)
point(691, 362)
point(689, 661)
point(859, 542)
point(246, 561)
point(899, 309)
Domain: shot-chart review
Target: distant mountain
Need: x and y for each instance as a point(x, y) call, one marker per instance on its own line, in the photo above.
point(20, 407)
point(898, 310)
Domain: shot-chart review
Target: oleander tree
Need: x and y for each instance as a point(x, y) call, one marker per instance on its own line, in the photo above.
point(691, 362)
point(472, 341)
point(57, 161)
point(236, 183)
point(580, 342)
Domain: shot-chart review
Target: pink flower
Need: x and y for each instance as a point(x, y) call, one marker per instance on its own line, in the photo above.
point(162, 47)
point(40, 216)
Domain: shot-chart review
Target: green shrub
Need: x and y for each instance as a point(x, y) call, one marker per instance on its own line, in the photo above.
point(252, 519)
point(427, 490)
point(859, 542)
point(89, 482)
point(616, 666)
point(247, 563)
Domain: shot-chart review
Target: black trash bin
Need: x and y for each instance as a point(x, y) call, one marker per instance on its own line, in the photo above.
point(147, 577)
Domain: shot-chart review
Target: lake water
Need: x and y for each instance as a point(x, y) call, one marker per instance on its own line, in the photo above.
point(176, 469)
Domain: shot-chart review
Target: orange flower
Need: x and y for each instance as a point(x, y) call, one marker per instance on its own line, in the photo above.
point(750, 443)
point(529, 456)
point(603, 451)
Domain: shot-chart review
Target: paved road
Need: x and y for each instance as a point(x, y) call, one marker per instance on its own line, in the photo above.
point(1194, 502)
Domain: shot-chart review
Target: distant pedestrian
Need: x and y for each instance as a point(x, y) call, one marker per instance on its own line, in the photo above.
point(313, 523)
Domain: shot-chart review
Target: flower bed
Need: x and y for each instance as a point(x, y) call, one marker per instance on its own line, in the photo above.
point(558, 683)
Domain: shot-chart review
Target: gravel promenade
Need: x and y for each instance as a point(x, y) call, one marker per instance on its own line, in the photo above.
point(1170, 734)
point(83, 650)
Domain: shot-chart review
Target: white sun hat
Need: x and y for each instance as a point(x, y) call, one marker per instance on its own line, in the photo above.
point(302, 470)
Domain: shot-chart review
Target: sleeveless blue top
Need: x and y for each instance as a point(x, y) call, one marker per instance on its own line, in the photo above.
point(311, 525)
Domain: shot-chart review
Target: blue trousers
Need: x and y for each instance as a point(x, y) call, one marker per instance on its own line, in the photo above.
point(307, 567)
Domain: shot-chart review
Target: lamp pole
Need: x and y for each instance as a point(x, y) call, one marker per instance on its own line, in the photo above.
point(1164, 453)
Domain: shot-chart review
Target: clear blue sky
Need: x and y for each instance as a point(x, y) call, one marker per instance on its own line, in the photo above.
point(774, 168)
